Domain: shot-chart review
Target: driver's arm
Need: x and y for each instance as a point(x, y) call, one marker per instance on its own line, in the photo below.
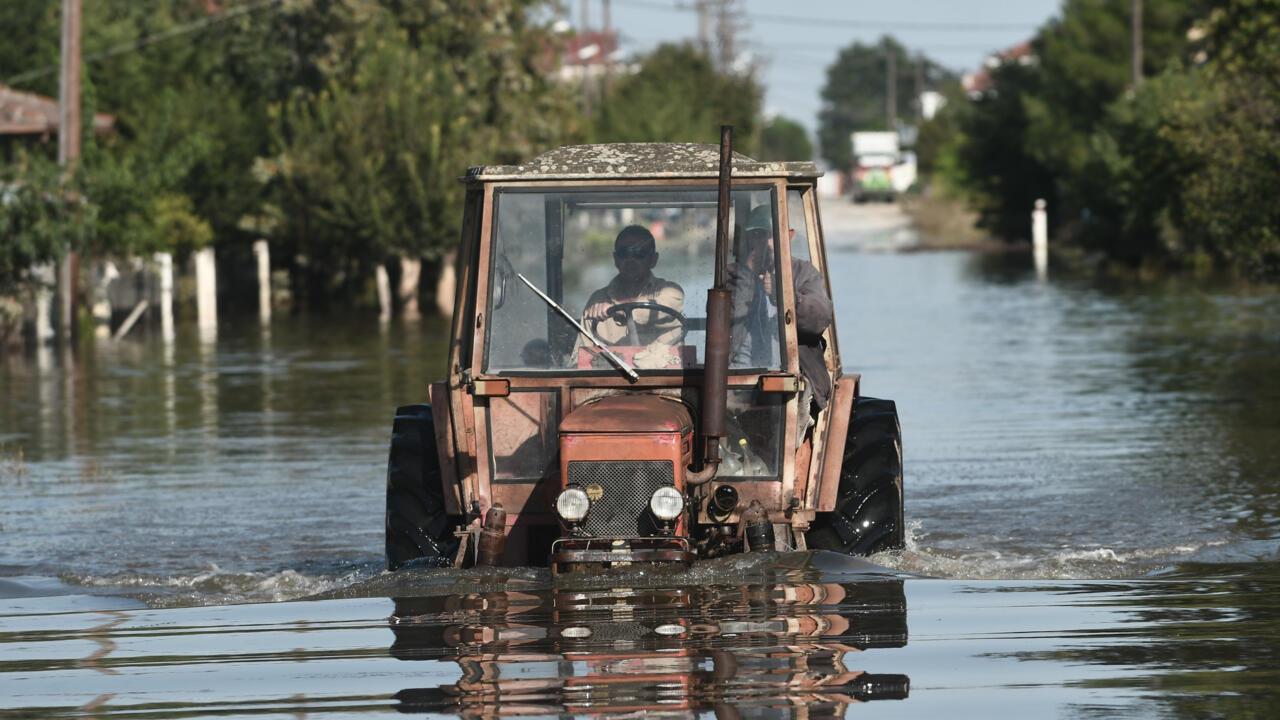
point(605, 331)
point(671, 295)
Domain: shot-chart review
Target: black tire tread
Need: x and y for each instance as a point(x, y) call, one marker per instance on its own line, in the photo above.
point(417, 525)
point(868, 515)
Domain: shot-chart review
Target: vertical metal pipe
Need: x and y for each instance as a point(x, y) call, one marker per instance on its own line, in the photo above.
point(722, 205)
point(719, 309)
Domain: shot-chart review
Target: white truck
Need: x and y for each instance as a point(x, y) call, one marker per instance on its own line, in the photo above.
point(880, 171)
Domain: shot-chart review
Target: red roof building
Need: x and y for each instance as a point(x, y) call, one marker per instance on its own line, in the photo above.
point(24, 113)
point(980, 82)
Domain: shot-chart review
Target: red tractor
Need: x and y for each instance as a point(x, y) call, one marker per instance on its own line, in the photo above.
point(613, 397)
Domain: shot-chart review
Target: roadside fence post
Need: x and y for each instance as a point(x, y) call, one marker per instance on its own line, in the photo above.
point(262, 252)
point(164, 268)
point(44, 302)
point(1040, 238)
point(104, 273)
point(384, 293)
point(206, 291)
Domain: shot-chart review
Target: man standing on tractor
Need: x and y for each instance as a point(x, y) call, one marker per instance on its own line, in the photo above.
point(753, 294)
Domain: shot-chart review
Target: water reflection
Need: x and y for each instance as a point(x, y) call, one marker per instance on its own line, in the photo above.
point(767, 650)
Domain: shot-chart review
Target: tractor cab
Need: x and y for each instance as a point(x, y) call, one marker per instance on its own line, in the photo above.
point(614, 396)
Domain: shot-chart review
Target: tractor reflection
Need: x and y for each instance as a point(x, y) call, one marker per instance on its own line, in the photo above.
point(781, 650)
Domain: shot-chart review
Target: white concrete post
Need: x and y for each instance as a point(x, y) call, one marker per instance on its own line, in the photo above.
point(410, 274)
point(66, 297)
point(44, 302)
point(206, 290)
point(164, 267)
point(262, 252)
point(105, 273)
point(1040, 238)
point(384, 293)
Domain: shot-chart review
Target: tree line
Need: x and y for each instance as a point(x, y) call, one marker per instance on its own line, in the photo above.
point(1180, 170)
point(335, 129)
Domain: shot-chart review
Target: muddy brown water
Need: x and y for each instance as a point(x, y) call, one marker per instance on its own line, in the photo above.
point(1093, 487)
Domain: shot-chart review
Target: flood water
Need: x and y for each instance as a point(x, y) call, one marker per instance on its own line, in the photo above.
point(1092, 483)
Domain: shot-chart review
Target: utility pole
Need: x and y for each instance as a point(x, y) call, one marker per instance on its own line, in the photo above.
point(584, 65)
point(607, 46)
point(1136, 31)
point(704, 26)
point(891, 86)
point(68, 144)
point(724, 35)
point(919, 88)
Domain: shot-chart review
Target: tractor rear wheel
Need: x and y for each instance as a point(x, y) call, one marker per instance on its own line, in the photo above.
point(868, 514)
point(417, 524)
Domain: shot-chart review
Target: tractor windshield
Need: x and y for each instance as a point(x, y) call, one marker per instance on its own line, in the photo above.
point(633, 264)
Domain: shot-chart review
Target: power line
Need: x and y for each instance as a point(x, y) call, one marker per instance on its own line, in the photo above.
point(812, 21)
point(142, 42)
point(821, 47)
point(810, 47)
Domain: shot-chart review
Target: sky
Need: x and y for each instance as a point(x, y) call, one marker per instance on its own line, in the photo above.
point(794, 42)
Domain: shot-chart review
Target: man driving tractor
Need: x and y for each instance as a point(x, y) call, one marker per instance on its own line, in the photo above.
point(635, 255)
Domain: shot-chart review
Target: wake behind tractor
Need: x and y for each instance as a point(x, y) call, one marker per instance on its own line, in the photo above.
point(627, 379)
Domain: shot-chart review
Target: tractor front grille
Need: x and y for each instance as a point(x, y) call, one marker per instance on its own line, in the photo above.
point(623, 510)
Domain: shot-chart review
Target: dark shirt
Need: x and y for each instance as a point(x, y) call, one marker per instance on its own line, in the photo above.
point(752, 333)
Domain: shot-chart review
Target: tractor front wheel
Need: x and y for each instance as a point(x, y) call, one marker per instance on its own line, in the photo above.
point(868, 514)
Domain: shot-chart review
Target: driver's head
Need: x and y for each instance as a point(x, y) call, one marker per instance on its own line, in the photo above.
point(634, 252)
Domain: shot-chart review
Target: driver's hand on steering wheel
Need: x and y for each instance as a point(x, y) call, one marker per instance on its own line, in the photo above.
point(597, 311)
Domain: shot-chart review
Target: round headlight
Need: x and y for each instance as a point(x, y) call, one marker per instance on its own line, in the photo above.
point(667, 503)
point(573, 504)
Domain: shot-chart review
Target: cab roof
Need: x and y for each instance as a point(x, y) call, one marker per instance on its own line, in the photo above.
point(636, 161)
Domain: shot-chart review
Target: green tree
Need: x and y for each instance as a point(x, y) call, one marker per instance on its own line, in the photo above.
point(31, 41)
point(935, 140)
point(784, 139)
point(41, 211)
point(1033, 133)
point(1083, 61)
point(1000, 178)
point(368, 163)
point(183, 143)
point(1224, 122)
point(677, 95)
point(336, 128)
point(854, 95)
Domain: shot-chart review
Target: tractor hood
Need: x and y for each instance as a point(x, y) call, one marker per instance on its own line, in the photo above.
point(631, 413)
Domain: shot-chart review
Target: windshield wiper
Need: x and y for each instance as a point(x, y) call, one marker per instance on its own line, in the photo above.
point(622, 364)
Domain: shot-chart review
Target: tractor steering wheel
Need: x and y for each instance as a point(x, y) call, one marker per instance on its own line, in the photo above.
point(624, 314)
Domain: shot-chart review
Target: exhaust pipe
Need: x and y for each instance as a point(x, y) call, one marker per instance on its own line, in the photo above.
point(715, 372)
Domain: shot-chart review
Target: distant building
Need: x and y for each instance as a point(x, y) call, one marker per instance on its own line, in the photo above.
point(931, 101)
point(26, 114)
point(977, 84)
point(587, 55)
